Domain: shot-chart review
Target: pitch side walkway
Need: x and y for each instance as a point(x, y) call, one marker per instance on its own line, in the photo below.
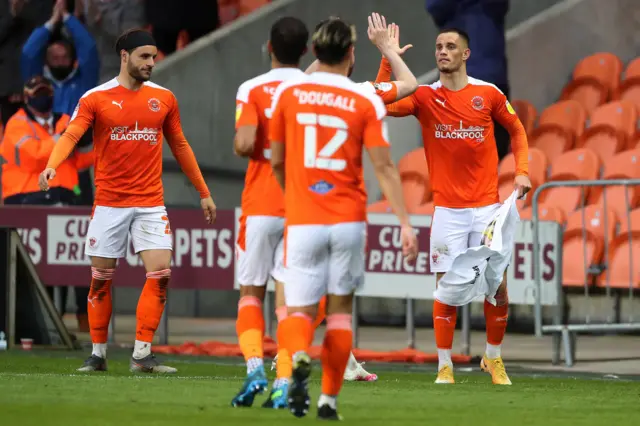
point(601, 354)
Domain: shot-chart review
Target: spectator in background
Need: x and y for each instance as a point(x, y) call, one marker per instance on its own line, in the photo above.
point(484, 21)
point(29, 138)
point(168, 17)
point(107, 20)
point(72, 65)
point(18, 18)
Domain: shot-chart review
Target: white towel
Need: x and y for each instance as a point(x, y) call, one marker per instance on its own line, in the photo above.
point(479, 270)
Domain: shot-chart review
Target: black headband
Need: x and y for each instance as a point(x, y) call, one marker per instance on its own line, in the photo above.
point(134, 40)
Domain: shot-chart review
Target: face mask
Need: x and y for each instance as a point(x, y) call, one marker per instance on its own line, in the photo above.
point(60, 73)
point(42, 104)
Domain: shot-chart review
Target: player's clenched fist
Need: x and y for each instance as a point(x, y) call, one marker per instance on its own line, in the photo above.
point(209, 208)
point(409, 243)
point(45, 177)
point(522, 184)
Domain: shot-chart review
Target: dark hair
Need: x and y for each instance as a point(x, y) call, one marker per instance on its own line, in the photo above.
point(132, 39)
point(332, 40)
point(289, 37)
point(461, 33)
point(68, 45)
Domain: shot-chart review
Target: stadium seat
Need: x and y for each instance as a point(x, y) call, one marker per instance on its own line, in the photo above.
point(526, 113)
point(623, 266)
point(588, 91)
point(381, 206)
point(414, 193)
point(538, 169)
point(424, 209)
point(558, 127)
point(611, 127)
point(545, 214)
point(578, 258)
point(625, 165)
point(629, 90)
point(594, 221)
point(577, 164)
point(413, 165)
point(630, 222)
point(632, 70)
point(228, 10)
point(605, 67)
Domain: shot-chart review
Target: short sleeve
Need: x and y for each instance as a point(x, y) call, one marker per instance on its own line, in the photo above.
point(376, 133)
point(246, 114)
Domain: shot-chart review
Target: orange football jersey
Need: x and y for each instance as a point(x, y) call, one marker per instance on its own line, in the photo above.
point(324, 120)
point(459, 144)
point(262, 196)
point(128, 130)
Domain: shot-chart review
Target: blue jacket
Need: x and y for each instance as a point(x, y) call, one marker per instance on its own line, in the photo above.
point(68, 92)
point(483, 20)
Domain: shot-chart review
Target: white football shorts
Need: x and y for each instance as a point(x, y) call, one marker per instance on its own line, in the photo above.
point(323, 259)
point(260, 250)
point(455, 230)
point(111, 227)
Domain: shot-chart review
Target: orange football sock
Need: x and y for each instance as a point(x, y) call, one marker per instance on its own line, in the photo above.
point(151, 304)
point(99, 304)
point(284, 367)
point(496, 319)
point(336, 349)
point(295, 333)
point(250, 327)
point(322, 313)
point(444, 324)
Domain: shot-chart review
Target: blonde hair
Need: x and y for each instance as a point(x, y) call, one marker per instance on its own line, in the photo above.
point(332, 40)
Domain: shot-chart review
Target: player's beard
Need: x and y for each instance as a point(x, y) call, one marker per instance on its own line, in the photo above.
point(136, 74)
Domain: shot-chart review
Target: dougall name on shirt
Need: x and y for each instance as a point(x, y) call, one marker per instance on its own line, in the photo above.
point(305, 97)
point(460, 131)
point(127, 133)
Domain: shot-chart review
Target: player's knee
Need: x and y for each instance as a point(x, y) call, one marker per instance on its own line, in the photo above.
point(311, 311)
point(252, 291)
point(502, 296)
point(103, 262)
point(339, 304)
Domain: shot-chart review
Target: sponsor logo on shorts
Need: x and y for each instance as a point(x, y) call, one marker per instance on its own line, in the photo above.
point(321, 187)
point(93, 242)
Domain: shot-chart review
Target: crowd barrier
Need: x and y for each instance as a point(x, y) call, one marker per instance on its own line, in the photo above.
point(204, 257)
point(597, 276)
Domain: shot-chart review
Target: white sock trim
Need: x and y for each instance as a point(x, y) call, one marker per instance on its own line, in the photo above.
point(493, 351)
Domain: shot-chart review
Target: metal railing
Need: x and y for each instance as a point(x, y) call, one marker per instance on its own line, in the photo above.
point(564, 332)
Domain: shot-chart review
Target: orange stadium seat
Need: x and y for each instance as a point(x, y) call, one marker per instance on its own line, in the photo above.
point(381, 206)
point(588, 91)
point(623, 266)
point(526, 113)
point(581, 256)
point(545, 214)
point(413, 165)
point(558, 128)
point(414, 192)
point(594, 221)
point(630, 222)
point(424, 209)
point(611, 127)
point(538, 166)
point(605, 67)
point(625, 165)
point(577, 164)
point(629, 90)
point(632, 70)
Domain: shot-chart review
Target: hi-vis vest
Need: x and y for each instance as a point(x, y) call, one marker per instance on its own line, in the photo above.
point(479, 271)
point(25, 149)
